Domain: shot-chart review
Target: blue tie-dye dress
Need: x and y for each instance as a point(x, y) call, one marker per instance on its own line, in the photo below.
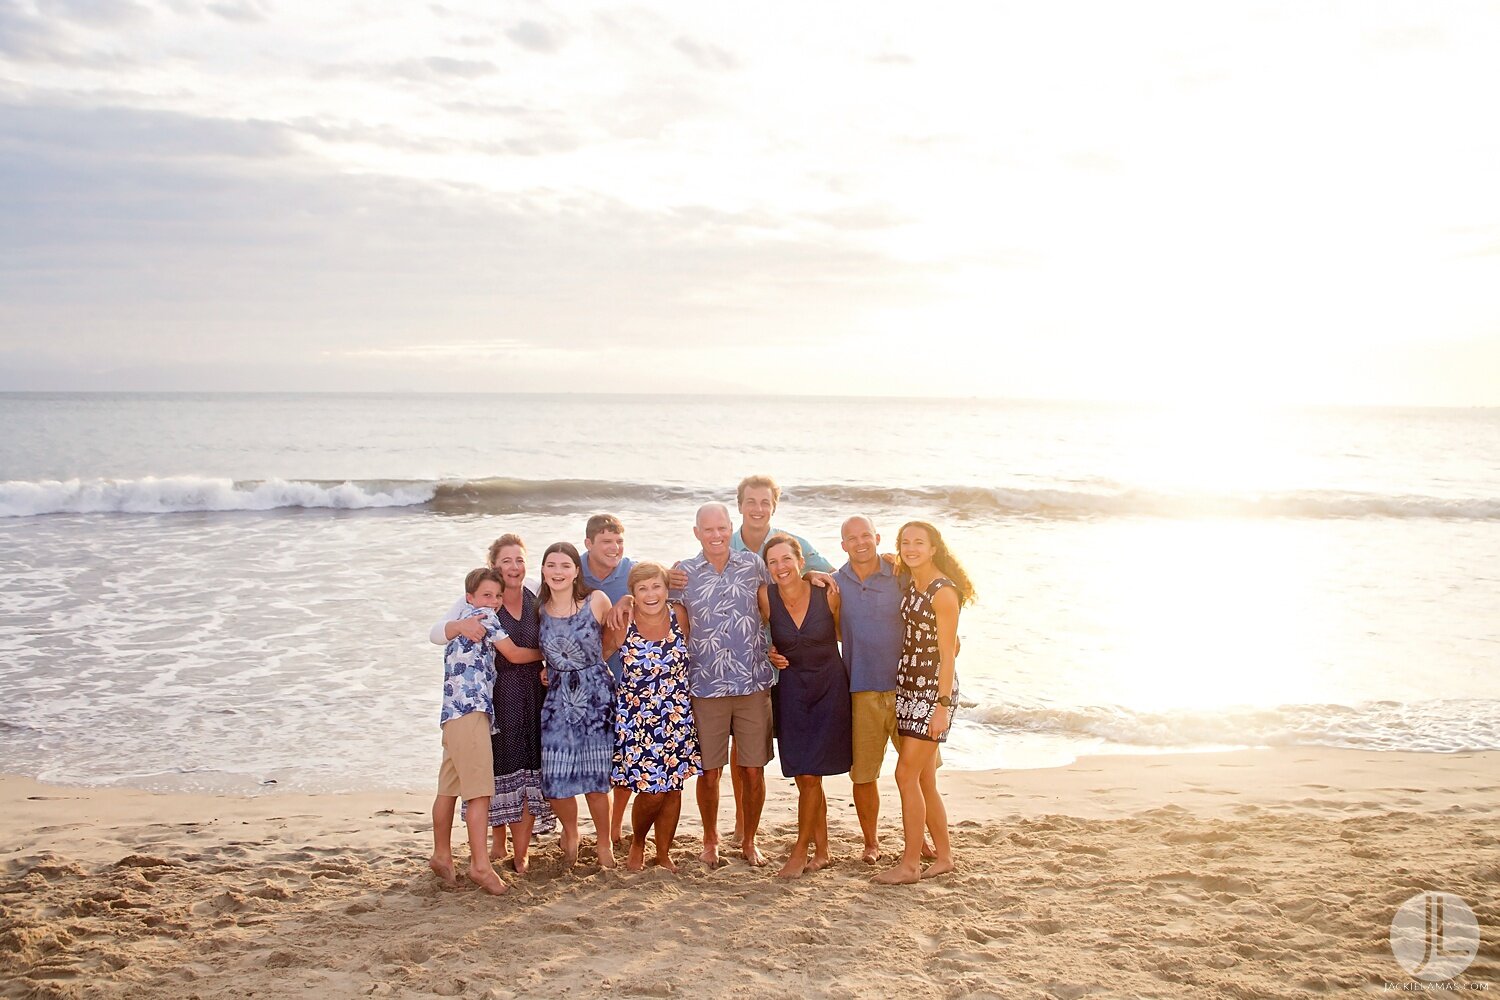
point(578, 715)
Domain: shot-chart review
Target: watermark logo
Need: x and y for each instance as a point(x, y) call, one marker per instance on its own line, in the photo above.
point(1434, 936)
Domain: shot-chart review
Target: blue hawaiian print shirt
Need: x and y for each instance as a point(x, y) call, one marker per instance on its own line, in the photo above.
point(469, 670)
point(727, 650)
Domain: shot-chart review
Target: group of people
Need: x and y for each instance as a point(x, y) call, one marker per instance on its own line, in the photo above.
point(623, 679)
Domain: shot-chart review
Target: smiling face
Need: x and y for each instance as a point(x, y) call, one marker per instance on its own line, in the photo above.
point(486, 595)
point(713, 531)
point(915, 546)
point(510, 563)
point(784, 563)
point(756, 507)
point(650, 596)
point(559, 572)
point(605, 550)
point(860, 541)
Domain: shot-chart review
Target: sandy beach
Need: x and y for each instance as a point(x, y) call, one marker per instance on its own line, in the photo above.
point(1253, 874)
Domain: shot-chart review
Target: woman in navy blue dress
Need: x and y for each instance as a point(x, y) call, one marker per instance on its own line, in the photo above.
point(811, 696)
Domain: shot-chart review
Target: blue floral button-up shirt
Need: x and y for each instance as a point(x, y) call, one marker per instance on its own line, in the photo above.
point(727, 649)
point(469, 670)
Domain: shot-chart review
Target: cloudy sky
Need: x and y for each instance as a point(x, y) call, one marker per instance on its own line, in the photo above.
point(1263, 202)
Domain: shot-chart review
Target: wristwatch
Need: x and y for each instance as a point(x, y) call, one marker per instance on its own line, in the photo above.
point(945, 700)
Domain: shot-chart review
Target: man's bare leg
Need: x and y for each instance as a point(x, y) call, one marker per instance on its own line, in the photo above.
point(598, 803)
point(750, 807)
point(441, 862)
point(620, 801)
point(481, 872)
point(867, 806)
point(708, 808)
point(737, 781)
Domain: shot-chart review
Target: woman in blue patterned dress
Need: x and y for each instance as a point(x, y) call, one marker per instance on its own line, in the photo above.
point(656, 742)
point(926, 693)
point(578, 734)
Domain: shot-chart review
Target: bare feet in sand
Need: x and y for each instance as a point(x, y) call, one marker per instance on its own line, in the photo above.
point(484, 876)
point(938, 868)
point(898, 875)
point(665, 861)
point(606, 852)
point(795, 865)
point(710, 854)
point(871, 855)
point(443, 869)
point(819, 862)
point(520, 865)
point(570, 850)
point(636, 860)
point(752, 854)
point(928, 851)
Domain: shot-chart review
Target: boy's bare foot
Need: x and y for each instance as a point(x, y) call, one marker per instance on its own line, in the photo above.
point(928, 851)
point(443, 869)
point(665, 861)
point(794, 867)
point(752, 854)
point(938, 868)
point(871, 855)
point(710, 854)
point(898, 875)
point(485, 877)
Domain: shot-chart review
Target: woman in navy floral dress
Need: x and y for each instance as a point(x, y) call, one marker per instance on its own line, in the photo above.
point(578, 733)
point(656, 742)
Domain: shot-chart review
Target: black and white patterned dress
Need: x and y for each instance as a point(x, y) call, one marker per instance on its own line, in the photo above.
point(917, 676)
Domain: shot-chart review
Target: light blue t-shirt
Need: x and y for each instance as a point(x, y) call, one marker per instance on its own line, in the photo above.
point(614, 587)
point(810, 556)
point(469, 670)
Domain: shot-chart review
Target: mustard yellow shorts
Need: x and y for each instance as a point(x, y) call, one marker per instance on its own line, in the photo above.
point(468, 768)
point(874, 715)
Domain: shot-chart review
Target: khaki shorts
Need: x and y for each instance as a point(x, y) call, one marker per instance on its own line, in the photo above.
point(874, 714)
point(468, 768)
point(746, 717)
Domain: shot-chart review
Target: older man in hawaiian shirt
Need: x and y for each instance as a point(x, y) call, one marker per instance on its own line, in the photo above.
point(728, 674)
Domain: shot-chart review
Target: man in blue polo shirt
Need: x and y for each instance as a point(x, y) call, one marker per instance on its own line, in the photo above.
point(607, 568)
point(871, 594)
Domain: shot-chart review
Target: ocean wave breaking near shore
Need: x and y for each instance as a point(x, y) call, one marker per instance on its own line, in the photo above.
point(1438, 726)
point(499, 495)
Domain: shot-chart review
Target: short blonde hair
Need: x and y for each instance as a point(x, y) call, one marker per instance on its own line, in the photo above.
point(758, 482)
point(645, 571)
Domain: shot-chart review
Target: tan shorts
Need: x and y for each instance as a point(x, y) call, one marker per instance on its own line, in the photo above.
point(468, 768)
point(874, 715)
point(746, 717)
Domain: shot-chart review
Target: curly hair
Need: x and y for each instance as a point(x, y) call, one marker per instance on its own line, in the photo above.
point(944, 560)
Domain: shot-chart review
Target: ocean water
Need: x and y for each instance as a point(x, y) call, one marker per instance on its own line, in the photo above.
point(233, 591)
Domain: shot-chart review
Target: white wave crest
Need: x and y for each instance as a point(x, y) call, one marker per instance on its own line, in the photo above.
point(170, 494)
point(1445, 726)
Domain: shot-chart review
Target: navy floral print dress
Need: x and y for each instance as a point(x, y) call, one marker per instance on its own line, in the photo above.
point(656, 742)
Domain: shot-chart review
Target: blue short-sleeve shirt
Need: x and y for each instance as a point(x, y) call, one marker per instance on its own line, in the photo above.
point(727, 648)
point(469, 670)
point(870, 617)
point(810, 556)
point(614, 587)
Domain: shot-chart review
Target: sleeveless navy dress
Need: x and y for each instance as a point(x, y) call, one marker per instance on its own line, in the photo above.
point(811, 696)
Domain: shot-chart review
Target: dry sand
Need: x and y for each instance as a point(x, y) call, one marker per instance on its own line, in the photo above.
point(1254, 874)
